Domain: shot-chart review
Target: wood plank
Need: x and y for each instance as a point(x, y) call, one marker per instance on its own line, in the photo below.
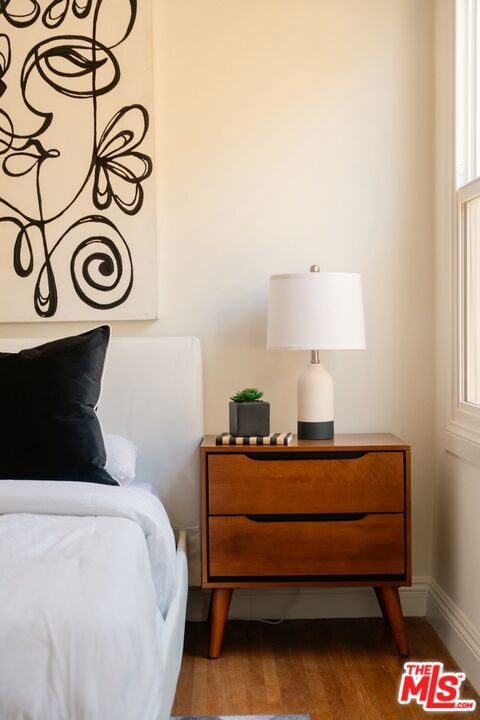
point(240, 547)
point(241, 485)
point(408, 516)
point(204, 515)
point(342, 669)
point(301, 582)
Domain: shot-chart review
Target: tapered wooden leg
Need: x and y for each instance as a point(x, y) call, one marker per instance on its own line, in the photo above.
point(389, 601)
point(219, 606)
point(380, 601)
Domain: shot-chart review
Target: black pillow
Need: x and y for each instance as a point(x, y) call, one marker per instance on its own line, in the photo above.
point(49, 429)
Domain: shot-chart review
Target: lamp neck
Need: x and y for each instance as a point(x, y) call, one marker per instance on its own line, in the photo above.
point(315, 356)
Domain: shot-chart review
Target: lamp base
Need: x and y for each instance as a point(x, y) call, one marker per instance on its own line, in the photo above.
point(315, 430)
point(315, 403)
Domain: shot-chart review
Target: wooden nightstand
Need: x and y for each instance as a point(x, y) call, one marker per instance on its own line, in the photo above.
point(313, 513)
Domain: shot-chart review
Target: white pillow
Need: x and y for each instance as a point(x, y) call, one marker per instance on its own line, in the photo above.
point(121, 458)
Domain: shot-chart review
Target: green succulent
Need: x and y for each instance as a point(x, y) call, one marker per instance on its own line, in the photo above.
point(247, 395)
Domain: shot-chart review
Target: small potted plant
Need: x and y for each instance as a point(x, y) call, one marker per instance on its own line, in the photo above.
point(249, 414)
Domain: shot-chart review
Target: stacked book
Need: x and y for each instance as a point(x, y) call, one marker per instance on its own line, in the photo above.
point(273, 439)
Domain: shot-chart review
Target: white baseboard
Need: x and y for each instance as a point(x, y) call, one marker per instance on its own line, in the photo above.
point(299, 603)
point(457, 632)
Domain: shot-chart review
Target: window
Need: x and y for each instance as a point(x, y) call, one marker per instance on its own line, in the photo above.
point(466, 416)
point(471, 310)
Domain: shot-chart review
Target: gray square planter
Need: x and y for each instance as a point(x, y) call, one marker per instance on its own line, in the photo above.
point(249, 418)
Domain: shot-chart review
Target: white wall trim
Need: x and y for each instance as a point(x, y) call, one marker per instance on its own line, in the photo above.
point(462, 443)
point(457, 632)
point(305, 603)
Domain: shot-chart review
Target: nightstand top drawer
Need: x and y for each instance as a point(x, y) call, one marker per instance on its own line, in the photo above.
point(251, 483)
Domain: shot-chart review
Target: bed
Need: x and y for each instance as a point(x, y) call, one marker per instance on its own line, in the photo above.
point(94, 586)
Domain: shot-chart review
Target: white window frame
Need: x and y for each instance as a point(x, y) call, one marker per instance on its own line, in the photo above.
point(463, 428)
point(465, 416)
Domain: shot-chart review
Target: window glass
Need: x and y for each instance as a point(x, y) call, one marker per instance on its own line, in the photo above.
point(468, 195)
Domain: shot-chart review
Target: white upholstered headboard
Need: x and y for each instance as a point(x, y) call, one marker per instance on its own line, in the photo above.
point(152, 394)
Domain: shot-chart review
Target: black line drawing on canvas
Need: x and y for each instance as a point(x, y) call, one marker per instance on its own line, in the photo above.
point(75, 69)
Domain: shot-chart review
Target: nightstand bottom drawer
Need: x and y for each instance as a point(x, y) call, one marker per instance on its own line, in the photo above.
point(245, 546)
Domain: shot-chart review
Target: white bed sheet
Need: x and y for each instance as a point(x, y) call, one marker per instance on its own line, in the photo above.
point(88, 573)
point(146, 487)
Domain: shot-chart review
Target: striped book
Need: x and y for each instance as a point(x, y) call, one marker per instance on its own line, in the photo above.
point(274, 439)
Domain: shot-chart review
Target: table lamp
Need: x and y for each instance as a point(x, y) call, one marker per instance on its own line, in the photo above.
point(315, 311)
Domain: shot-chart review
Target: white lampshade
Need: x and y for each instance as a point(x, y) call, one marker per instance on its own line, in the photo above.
point(316, 311)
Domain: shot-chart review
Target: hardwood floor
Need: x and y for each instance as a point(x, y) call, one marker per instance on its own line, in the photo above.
point(330, 669)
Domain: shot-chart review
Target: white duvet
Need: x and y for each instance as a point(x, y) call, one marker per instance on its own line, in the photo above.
point(87, 573)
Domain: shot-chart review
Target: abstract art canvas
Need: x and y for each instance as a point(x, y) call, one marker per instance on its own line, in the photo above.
point(77, 192)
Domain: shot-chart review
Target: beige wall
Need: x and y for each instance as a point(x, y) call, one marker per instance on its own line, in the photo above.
point(293, 132)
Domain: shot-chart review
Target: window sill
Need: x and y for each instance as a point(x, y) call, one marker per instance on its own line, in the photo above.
point(463, 442)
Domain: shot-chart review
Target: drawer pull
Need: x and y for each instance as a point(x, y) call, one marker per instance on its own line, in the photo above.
point(295, 456)
point(307, 517)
